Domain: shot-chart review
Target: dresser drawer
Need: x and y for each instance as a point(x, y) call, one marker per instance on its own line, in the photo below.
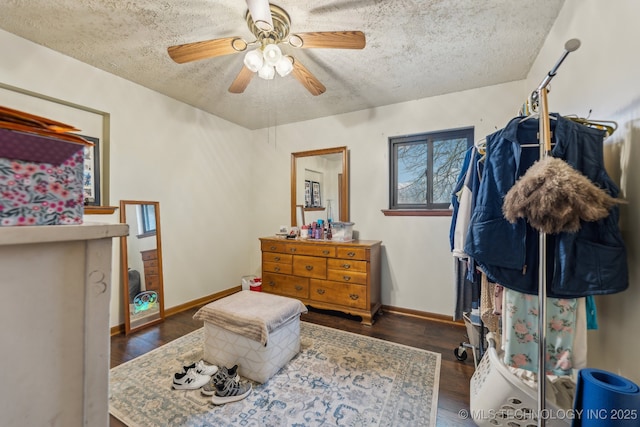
point(152, 283)
point(277, 257)
point(150, 271)
point(346, 265)
point(271, 246)
point(338, 293)
point(352, 253)
point(292, 286)
point(312, 250)
point(150, 254)
point(151, 263)
point(308, 266)
point(347, 276)
point(276, 267)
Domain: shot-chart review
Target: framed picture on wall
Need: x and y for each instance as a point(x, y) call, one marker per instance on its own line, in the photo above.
point(307, 194)
point(91, 174)
point(315, 194)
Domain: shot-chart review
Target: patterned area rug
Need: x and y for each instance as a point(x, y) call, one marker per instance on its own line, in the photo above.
point(338, 378)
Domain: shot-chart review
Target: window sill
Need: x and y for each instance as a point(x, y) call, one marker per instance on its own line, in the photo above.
point(417, 212)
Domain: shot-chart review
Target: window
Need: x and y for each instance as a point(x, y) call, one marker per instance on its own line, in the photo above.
point(424, 168)
point(146, 220)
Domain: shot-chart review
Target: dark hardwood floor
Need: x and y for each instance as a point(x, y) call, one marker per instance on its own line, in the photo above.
point(441, 337)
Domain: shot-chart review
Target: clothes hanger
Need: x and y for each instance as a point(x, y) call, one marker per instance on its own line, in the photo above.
point(609, 126)
point(530, 106)
point(530, 109)
point(481, 146)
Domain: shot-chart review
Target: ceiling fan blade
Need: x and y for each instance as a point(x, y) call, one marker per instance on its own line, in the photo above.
point(206, 49)
point(330, 40)
point(307, 79)
point(260, 12)
point(242, 80)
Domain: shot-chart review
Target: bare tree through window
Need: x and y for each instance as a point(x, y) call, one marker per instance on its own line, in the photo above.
point(424, 168)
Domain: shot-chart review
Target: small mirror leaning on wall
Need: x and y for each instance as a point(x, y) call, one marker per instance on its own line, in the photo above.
point(141, 265)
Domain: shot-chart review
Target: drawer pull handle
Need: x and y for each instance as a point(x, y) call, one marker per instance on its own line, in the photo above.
point(351, 254)
point(273, 248)
point(346, 278)
point(298, 288)
point(346, 266)
point(309, 267)
point(277, 258)
point(277, 269)
point(271, 283)
point(353, 296)
point(325, 252)
point(292, 249)
point(320, 291)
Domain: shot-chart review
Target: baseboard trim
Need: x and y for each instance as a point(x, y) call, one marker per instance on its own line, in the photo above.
point(201, 301)
point(119, 329)
point(435, 317)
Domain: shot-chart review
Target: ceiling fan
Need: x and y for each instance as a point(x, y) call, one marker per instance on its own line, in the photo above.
point(270, 24)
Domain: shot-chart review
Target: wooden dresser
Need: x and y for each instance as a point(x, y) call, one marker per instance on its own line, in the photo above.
point(325, 274)
point(150, 262)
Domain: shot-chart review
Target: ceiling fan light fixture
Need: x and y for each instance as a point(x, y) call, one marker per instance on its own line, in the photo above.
point(253, 60)
point(263, 26)
point(272, 54)
point(267, 72)
point(260, 11)
point(284, 66)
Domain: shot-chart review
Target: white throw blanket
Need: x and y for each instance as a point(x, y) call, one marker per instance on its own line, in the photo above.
point(251, 314)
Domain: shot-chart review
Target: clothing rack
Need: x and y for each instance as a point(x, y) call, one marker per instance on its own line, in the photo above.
point(540, 97)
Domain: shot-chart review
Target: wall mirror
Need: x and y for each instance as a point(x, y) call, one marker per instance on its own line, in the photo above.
point(141, 265)
point(320, 184)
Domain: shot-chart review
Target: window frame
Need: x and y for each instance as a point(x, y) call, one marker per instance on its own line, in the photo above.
point(429, 208)
point(146, 221)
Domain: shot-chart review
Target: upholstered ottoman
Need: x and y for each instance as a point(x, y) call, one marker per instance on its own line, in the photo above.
point(259, 332)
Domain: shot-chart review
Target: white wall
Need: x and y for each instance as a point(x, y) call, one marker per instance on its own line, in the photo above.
point(602, 75)
point(195, 164)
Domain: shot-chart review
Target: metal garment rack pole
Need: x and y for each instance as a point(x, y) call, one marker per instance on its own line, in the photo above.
point(545, 150)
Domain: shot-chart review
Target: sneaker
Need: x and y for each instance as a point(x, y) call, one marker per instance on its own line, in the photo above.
point(202, 368)
point(221, 377)
point(230, 391)
point(189, 380)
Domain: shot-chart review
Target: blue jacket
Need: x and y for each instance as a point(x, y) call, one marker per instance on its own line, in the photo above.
point(590, 262)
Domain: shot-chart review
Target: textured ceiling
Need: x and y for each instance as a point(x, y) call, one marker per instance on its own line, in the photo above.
point(415, 49)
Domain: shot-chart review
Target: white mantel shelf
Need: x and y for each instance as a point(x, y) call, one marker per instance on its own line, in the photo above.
point(55, 290)
point(60, 233)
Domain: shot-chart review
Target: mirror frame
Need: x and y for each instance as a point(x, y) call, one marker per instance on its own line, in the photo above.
point(124, 266)
point(343, 215)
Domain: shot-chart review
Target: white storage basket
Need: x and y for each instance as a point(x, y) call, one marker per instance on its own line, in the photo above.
point(499, 398)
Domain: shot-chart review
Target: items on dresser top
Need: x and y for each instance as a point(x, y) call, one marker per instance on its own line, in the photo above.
point(325, 274)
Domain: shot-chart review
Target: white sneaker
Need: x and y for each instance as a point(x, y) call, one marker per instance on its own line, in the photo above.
point(190, 380)
point(202, 368)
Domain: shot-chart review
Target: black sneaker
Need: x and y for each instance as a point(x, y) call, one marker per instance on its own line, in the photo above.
point(220, 377)
point(230, 391)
